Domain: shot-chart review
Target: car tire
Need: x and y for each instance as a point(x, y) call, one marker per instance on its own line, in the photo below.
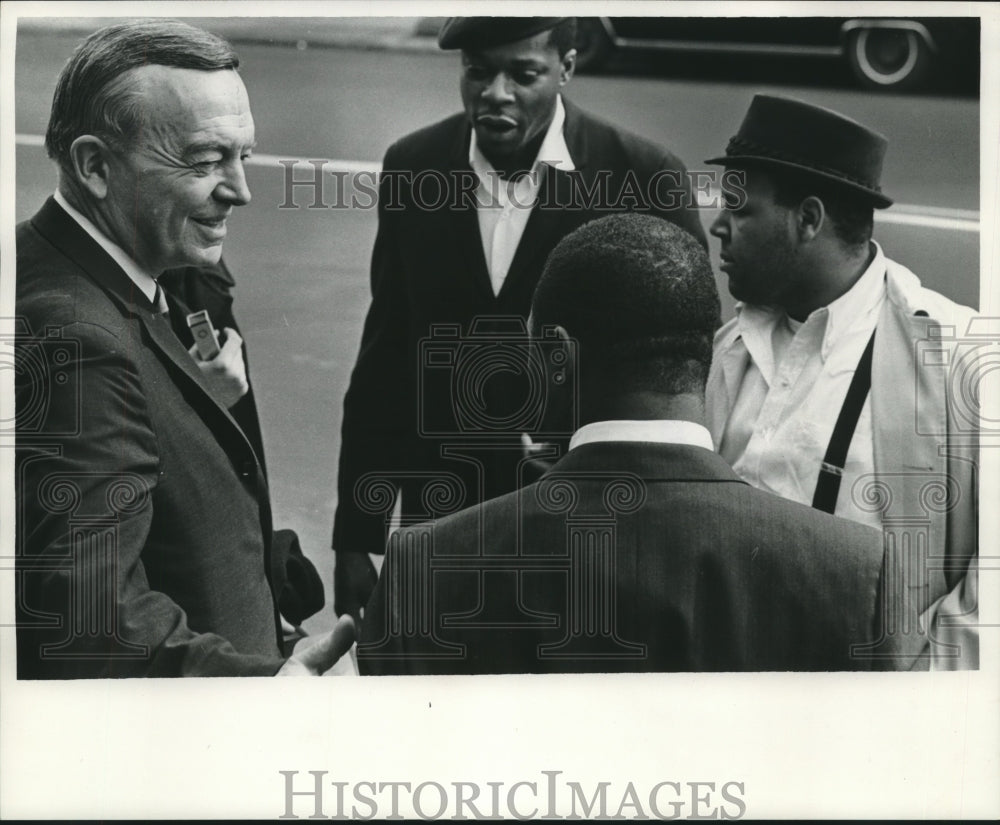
point(593, 45)
point(884, 58)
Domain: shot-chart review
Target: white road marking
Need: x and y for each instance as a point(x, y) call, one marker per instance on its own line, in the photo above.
point(900, 214)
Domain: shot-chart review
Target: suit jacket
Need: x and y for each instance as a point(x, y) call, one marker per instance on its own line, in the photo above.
point(925, 429)
point(429, 282)
point(143, 518)
point(626, 557)
point(190, 289)
point(293, 576)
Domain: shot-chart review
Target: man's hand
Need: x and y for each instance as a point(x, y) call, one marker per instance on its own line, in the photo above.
point(225, 374)
point(354, 579)
point(314, 658)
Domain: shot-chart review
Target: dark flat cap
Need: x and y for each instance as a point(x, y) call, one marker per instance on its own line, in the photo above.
point(483, 32)
point(783, 131)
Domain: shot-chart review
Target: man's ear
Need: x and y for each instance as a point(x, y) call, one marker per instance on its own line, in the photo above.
point(559, 356)
point(811, 217)
point(564, 355)
point(89, 158)
point(567, 65)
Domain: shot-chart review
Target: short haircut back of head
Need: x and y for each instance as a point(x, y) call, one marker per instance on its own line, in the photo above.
point(638, 294)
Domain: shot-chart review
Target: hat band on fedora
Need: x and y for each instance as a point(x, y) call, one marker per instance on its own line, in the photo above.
point(741, 146)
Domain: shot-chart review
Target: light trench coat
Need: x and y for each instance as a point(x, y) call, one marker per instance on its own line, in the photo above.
point(929, 356)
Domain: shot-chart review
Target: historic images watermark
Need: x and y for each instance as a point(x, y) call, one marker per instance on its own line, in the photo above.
point(311, 794)
point(323, 184)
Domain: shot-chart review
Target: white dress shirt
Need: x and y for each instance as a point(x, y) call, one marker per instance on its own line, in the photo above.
point(792, 391)
point(657, 431)
point(142, 279)
point(504, 206)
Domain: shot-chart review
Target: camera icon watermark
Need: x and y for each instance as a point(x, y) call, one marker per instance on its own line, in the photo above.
point(494, 380)
point(966, 360)
point(46, 368)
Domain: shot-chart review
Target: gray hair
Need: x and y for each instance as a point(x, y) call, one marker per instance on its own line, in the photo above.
point(93, 98)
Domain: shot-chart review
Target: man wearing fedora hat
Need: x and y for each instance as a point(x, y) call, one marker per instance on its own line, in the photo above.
point(469, 209)
point(821, 389)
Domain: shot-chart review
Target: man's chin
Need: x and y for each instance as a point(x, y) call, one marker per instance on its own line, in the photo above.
point(735, 290)
point(210, 254)
point(497, 146)
point(199, 256)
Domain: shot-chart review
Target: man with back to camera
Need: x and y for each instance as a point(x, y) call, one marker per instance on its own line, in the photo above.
point(640, 549)
point(144, 523)
point(823, 316)
point(519, 169)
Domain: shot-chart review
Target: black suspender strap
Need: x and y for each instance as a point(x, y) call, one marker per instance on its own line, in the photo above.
point(832, 468)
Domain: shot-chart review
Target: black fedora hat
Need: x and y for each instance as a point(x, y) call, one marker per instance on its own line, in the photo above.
point(483, 32)
point(785, 132)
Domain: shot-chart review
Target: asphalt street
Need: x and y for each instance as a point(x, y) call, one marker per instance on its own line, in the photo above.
point(303, 273)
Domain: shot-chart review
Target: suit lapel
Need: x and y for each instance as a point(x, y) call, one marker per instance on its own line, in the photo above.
point(469, 240)
point(167, 343)
point(576, 135)
point(465, 219)
point(898, 415)
point(68, 236)
point(547, 226)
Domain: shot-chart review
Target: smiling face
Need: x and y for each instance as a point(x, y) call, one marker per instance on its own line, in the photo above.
point(759, 250)
point(509, 93)
point(171, 191)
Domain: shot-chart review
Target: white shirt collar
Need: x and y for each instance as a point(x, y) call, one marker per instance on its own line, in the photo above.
point(852, 308)
point(855, 306)
point(553, 150)
point(659, 431)
point(139, 276)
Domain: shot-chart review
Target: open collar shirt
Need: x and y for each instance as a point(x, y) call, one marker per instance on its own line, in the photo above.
point(504, 206)
point(791, 391)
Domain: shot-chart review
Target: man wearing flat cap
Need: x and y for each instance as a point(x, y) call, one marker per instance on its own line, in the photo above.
point(836, 383)
point(640, 550)
point(469, 209)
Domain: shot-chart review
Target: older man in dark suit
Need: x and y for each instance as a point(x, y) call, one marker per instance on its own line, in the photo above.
point(294, 578)
point(469, 209)
point(144, 525)
point(640, 550)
